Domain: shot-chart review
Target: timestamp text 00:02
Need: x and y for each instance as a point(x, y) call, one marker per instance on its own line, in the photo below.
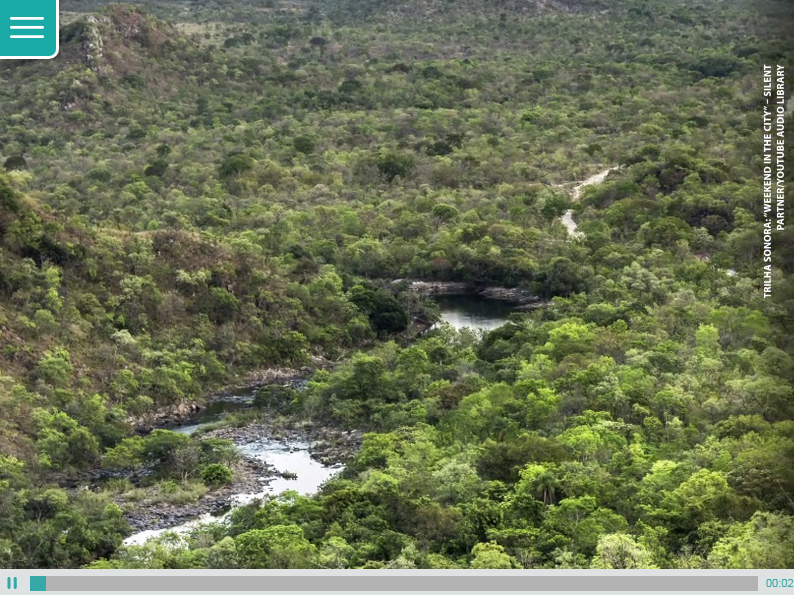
point(784, 582)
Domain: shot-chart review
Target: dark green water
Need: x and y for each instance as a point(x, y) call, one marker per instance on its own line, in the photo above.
point(214, 411)
point(474, 312)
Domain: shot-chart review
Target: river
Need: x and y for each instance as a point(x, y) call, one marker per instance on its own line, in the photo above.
point(472, 312)
point(291, 456)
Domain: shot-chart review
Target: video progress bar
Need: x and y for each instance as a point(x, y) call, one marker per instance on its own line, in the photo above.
point(375, 584)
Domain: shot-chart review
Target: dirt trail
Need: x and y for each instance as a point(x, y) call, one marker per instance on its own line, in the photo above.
point(567, 218)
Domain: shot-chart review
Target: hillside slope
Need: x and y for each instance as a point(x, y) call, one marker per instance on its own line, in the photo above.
point(183, 204)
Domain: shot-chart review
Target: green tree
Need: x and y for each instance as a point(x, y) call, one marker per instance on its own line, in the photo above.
point(765, 541)
point(392, 165)
point(279, 546)
point(618, 550)
point(491, 556)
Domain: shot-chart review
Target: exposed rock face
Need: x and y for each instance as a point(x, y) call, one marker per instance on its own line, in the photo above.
point(522, 298)
point(118, 44)
point(92, 43)
point(163, 417)
point(434, 288)
point(258, 378)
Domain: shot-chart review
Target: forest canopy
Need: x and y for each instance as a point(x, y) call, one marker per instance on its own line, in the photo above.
point(190, 195)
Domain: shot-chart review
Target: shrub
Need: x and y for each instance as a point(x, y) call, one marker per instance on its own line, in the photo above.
point(392, 165)
point(273, 396)
point(168, 487)
point(235, 164)
point(304, 144)
point(216, 474)
point(15, 162)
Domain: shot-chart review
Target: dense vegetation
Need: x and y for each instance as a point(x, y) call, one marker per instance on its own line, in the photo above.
point(184, 203)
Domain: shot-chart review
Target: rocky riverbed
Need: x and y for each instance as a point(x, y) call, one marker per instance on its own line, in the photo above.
point(328, 446)
point(276, 455)
point(249, 475)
